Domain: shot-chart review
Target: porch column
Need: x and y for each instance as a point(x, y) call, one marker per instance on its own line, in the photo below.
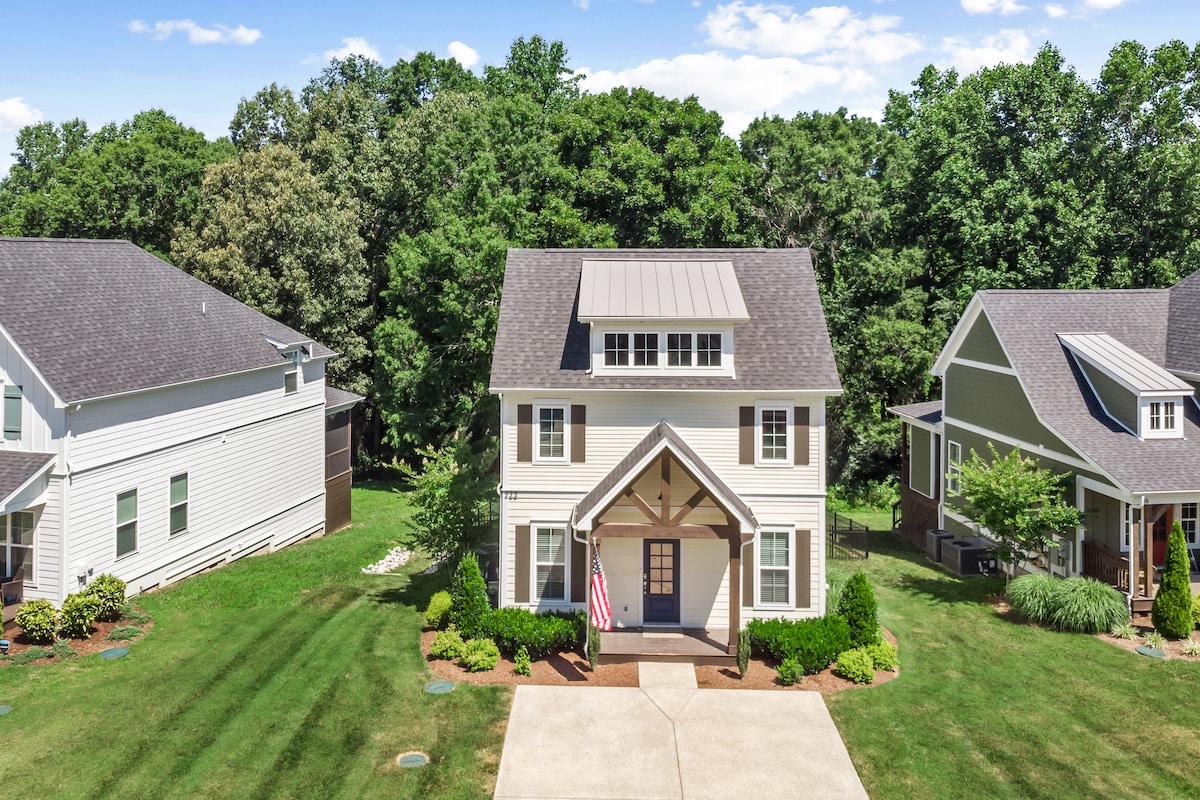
point(1134, 536)
point(735, 591)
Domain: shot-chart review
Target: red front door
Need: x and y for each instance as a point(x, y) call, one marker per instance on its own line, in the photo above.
point(1159, 533)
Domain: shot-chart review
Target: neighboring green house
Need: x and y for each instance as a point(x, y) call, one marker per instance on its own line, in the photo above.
point(1096, 383)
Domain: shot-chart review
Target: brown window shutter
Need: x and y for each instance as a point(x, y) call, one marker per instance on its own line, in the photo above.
point(746, 435)
point(524, 433)
point(522, 560)
point(578, 434)
point(748, 574)
point(801, 445)
point(803, 569)
point(578, 567)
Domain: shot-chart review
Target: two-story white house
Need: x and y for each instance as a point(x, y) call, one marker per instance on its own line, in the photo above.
point(153, 426)
point(668, 408)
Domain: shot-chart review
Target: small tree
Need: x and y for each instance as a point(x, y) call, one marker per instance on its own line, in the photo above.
point(1172, 610)
point(451, 492)
point(858, 607)
point(470, 608)
point(1019, 503)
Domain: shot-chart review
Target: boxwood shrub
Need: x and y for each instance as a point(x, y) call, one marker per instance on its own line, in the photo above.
point(540, 634)
point(38, 619)
point(470, 607)
point(480, 655)
point(812, 643)
point(109, 592)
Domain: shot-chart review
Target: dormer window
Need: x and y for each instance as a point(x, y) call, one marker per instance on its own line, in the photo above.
point(645, 349)
point(1162, 415)
point(679, 349)
point(616, 349)
point(708, 350)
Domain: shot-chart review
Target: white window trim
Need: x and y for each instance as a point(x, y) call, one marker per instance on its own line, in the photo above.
point(117, 524)
point(534, 600)
point(789, 459)
point(538, 458)
point(1146, 418)
point(7, 544)
point(187, 502)
point(599, 367)
point(791, 567)
point(1179, 516)
point(953, 466)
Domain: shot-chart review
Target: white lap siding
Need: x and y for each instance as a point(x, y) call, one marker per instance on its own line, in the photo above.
point(704, 583)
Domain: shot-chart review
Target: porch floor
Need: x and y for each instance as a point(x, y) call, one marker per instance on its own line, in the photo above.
point(693, 645)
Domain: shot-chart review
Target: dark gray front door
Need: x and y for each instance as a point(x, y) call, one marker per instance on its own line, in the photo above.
point(660, 581)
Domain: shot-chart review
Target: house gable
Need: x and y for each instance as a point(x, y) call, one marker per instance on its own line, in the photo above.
point(980, 344)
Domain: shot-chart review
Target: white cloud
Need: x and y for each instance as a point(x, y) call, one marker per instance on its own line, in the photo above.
point(1055, 11)
point(467, 56)
point(15, 114)
point(1007, 47)
point(352, 46)
point(740, 88)
point(1104, 5)
point(581, 4)
point(828, 34)
point(992, 6)
point(217, 34)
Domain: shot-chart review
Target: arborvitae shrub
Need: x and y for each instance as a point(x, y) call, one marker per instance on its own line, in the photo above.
point(743, 652)
point(857, 606)
point(470, 606)
point(593, 647)
point(109, 592)
point(437, 613)
point(77, 614)
point(1172, 610)
point(38, 619)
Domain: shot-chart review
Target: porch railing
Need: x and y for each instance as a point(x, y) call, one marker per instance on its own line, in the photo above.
point(1103, 564)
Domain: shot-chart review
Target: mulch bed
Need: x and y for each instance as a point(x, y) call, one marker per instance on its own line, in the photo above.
point(98, 641)
point(570, 668)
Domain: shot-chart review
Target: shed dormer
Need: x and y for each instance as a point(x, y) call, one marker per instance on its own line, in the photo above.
point(661, 317)
point(1135, 392)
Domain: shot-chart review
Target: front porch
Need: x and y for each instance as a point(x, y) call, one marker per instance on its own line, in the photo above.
point(705, 646)
point(1111, 567)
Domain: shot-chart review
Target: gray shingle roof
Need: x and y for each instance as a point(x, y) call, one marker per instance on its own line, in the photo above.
point(929, 412)
point(540, 343)
point(1027, 323)
point(17, 467)
point(620, 475)
point(340, 398)
point(104, 317)
point(1183, 334)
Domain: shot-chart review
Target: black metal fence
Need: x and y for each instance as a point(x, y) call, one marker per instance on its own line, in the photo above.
point(846, 539)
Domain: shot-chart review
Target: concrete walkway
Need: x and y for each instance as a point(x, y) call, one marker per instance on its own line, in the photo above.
point(668, 739)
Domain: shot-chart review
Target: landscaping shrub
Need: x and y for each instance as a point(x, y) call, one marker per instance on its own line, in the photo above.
point(812, 643)
point(77, 614)
point(1191, 648)
point(1124, 630)
point(521, 663)
point(131, 613)
point(835, 582)
point(540, 634)
point(469, 601)
point(437, 613)
point(109, 592)
point(123, 633)
point(1085, 605)
point(480, 655)
point(857, 606)
point(1032, 596)
point(29, 656)
point(1196, 610)
point(1172, 610)
point(743, 652)
point(38, 619)
point(1156, 640)
point(447, 645)
point(856, 665)
point(789, 671)
point(593, 647)
point(883, 655)
point(62, 650)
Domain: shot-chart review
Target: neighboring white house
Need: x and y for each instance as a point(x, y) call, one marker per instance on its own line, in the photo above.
point(153, 426)
point(669, 406)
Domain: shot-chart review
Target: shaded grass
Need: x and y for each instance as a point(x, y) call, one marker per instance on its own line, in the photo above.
point(288, 675)
point(988, 708)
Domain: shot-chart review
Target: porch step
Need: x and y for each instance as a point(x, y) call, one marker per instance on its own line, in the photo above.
point(713, 660)
point(1142, 605)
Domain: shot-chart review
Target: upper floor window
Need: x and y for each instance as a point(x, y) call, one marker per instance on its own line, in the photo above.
point(552, 433)
point(679, 349)
point(12, 412)
point(773, 435)
point(127, 522)
point(645, 349)
point(953, 466)
point(708, 349)
point(616, 349)
point(1162, 416)
point(179, 504)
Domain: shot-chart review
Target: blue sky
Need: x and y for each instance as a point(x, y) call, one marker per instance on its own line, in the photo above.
point(104, 62)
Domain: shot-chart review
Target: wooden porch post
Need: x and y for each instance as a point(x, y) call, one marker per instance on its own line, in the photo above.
point(735, 590)
point(1135, 546)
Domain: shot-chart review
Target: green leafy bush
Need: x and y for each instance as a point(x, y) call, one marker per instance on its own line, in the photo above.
point(447, 645)
point(1196, 610)
point(858, 607)
point(1085, 605)
point(480, 655)
point(1156, 640)
point(133, 614)
point(1172, 610)
point(38, 619)
point(437, 613)
point(593, 648)
point(743, 652)
point(1033, 597)
point(469, 601)
point(77, 614)
point(1124, 630)
point(856, 665)
point(521, 663)
point(883, 655)
point(789, 671)
point(540, 634)
point(109, 592)
point(812, 643)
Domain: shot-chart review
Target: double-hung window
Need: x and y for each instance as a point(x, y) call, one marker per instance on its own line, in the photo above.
point(12, 412)
point(679, 349)
point(17, 548)
point(1162, 416)
point(552, 433)
point(774, 568)
point(179, 504)
point(953, 466)
point(645, 349)
point(616, 349)
point(550, 572)
point(774, 443)
point(1187, 520)
point(708, 349)
point(127, 522)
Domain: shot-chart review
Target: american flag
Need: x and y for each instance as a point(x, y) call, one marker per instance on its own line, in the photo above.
point(601, 613)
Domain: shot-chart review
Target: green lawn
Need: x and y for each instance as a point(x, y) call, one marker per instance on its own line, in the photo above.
point(985, 708)
point(290, 675)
